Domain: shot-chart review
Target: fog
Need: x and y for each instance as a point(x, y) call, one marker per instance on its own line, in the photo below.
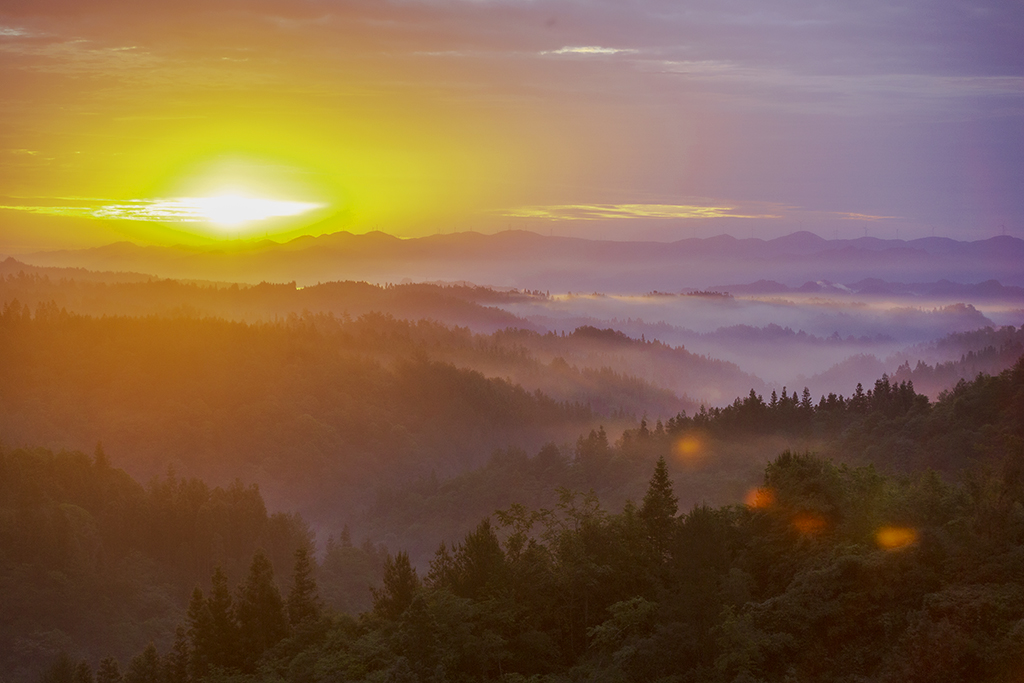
point(828, 343)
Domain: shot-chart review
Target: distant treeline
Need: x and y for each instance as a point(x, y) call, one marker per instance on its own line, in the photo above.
point(890, 425)
point(989, 351)
point(452, 304)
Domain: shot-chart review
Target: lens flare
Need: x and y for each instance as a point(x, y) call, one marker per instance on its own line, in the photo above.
point(689, 449)
point(809, 523)
point(760, 498)
point(895, 537)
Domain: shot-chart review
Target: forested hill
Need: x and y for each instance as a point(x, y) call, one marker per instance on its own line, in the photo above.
point(828, 572)
point(93, 563)
point(92, 293)
point(314, 409)
point(673, 370)
point(717, 456)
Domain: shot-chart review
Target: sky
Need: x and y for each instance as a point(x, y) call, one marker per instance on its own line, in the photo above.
point(633, 119)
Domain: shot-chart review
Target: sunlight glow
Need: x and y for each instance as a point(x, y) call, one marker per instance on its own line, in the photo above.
point(760, 498)
point(894, 537)
point(809, 523)
point(226, 210)
point(689, 449)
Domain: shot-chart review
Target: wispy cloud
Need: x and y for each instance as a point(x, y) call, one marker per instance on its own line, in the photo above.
point(224, 210)
point(597, 212)
point(786, 88)
point(588, 50)
point(863, 217)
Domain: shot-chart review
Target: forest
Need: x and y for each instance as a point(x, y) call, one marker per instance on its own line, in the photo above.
point(407, 482)
point(884, 569)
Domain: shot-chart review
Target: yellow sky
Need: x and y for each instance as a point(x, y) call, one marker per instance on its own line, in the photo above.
point(429, 116)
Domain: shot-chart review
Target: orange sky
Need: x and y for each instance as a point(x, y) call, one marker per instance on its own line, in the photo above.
point(605, 119)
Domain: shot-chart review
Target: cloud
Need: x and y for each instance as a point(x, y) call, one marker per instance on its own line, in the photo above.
point(595, 212)
point(588, 50)
point(876, 108)
point(863, 217)
point(223, 210)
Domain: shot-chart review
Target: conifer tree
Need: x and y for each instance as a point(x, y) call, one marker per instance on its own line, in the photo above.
point(400, 586)
point(145, 667)
point(658, 511)
point(223, 637)
point(260, 610)
point(109, 671)
point(442, 569)
point(304, 597)
point(176, 661)
point(200, 635)
point(480, 563)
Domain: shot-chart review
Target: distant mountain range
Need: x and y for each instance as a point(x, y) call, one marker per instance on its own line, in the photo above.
point(528, 260)
point(987, 290)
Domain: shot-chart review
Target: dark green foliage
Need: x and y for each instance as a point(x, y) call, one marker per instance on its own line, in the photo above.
point(260, 612)
point(145, 667)
point(201, 635)
point(176, 662)
point(109, 671)
point(658, 511)
point(83, 673)
point(223, 642)
point(348, 571)
point(303, 598)
point(836, 574)
point(62, 670)
point(90, 557)
point(400, 585)
point(833, 572)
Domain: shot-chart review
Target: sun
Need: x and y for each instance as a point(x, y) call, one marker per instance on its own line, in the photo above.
point(231, 210)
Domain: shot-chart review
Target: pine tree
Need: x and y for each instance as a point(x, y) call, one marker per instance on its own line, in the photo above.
point(177, 660)
point(658, 511)
point(223, 637)
point(480, 563)
point(145, 667)
point(400, 586)
point(109, 671)
point(442, 569)
point(200, 635)
point(262, 623)
point(304, 598)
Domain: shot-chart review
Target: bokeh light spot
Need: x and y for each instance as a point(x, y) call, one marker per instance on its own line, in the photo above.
point(689, 448)
point(809, 523)
point(760, 498)
point(895, 537)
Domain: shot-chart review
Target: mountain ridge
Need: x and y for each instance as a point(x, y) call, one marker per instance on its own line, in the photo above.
point(526, 259)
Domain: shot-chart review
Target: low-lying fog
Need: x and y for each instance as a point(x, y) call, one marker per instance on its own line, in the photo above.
point(828, 342)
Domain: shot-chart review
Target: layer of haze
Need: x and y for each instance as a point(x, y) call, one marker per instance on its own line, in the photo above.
point(618, 120)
